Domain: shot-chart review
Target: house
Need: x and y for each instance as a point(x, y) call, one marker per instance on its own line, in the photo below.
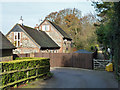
point(57, 35)
point(6, 49)
point(30, 40)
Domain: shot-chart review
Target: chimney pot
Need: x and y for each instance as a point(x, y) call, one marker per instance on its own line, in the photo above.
point(37, 27)
point(21, 21)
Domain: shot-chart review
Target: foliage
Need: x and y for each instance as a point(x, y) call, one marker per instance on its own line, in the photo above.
point(49, 75)
point(80, 29)
point(108, 31)
point(13, 71)
point(21, 58)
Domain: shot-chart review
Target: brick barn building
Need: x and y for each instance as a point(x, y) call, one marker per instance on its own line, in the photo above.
point(30, 40)
point(46, 37)
point(57, 34)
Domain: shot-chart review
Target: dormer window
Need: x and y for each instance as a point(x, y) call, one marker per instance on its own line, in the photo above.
point(45, 27)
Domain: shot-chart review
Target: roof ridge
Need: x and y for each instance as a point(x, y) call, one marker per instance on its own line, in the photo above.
point(27, 26)
point(32, 28)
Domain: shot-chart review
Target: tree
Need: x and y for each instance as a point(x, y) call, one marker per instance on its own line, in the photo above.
point(80, 29)
point(108, 31)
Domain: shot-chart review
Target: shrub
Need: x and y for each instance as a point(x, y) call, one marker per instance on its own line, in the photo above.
point(23, 69)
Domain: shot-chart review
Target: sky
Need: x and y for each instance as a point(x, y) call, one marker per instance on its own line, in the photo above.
point(34, 10)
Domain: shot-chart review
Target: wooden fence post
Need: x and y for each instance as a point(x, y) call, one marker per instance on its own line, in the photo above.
point(27, 74)
point(36, 73)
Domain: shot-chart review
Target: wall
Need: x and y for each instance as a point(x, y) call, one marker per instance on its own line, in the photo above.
point(52, 33)
point(81, 60)
point(67, 47)
point(27, 46)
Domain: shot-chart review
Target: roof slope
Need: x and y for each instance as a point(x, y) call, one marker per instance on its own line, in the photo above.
point(40, 37)
point(65, 35)
point(5, 43)
point(60, 30)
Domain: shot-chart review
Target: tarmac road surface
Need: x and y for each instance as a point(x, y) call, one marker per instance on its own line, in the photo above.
point(66, 77)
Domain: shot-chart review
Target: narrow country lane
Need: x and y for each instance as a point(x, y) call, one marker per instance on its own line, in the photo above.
point(77, 78)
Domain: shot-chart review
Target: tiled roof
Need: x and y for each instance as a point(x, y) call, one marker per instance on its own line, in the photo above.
point(40, 37)
point(5, 43)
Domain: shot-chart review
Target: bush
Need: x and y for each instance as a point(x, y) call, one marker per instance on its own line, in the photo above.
point(21, 58)
point(25, 68)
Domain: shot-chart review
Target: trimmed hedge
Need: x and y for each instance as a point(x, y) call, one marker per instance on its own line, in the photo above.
point(22, 70)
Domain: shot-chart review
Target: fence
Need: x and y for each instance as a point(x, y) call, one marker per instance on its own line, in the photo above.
point(21, 71)
point(79, 60)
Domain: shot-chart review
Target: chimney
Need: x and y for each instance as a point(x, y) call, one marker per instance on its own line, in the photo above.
point(37, 27)
point(40, 21)
point(21, 21)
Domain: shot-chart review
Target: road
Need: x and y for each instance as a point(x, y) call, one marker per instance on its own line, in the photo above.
point(77, 78)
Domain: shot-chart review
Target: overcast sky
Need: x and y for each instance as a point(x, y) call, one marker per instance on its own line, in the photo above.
point(34, 10)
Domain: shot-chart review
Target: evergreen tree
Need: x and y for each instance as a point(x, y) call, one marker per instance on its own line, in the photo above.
point(108, 31)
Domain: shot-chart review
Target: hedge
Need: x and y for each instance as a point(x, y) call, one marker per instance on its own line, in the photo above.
point(14, 72)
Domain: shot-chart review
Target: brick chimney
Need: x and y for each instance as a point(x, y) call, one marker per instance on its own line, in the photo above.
point(37, 27)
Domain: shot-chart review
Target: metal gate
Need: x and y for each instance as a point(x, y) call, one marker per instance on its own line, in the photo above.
point(100, 64)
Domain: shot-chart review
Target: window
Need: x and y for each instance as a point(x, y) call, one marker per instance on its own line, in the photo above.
point(45, 27)
point(56, 51)
point(17, 38)
point(15, 43)
point(18, 35)
point(15, 35)
point(66, 49)
point(18, 43)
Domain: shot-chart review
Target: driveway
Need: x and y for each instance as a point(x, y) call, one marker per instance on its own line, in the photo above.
point(67, 77)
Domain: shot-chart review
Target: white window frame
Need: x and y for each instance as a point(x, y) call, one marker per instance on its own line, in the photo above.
point(16, 34)
point(45, 27)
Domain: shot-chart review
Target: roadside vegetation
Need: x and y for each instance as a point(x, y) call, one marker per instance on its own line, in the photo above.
point(80, 28)
point(23, 70)
point(88, 31)
point(108, 30)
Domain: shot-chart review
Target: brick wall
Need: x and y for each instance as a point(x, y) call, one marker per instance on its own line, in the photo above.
point(57, 37)
point(27, 46)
